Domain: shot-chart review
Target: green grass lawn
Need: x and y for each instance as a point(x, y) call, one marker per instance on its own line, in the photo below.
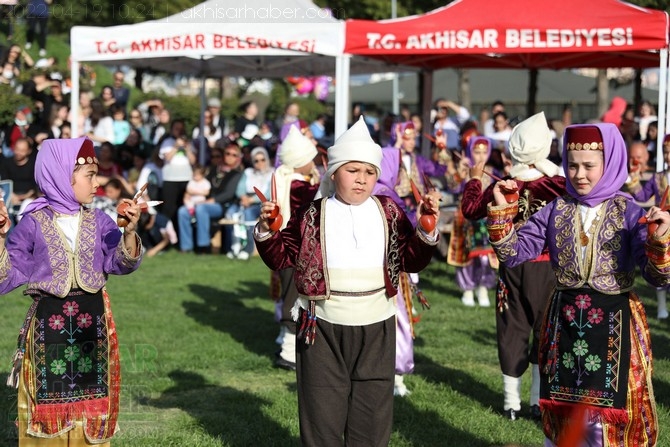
point(197, 342)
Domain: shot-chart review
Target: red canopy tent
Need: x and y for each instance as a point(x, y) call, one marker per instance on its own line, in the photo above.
point(542, 34)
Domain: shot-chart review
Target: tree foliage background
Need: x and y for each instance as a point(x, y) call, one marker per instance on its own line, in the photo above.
point(67, 13)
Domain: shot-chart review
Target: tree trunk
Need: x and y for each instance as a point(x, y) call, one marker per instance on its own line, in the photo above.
point(139, 74)
point(531, 104)
point(637, 93)
point(464, 97)
point(227, 87)
point(602, 89)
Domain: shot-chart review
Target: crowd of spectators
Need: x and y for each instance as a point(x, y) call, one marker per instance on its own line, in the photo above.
point(143, 143)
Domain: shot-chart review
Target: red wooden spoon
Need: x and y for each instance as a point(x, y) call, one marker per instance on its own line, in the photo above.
point(427, 220)
point(275, 220)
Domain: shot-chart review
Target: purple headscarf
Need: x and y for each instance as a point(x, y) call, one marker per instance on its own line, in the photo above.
point(403, 126)
point(54, 166)
point(615, 170)
point(477, 139)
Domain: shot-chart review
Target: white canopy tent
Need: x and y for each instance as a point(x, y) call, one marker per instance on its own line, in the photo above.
point(270, 39)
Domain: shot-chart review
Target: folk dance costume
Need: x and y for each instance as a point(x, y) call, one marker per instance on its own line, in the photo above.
point(399, 166)
point(347, 261)
point(469, 250)
point(595, 347)
point(653, 188)
point(293, 191)
point(523, 291)
point(66, 366)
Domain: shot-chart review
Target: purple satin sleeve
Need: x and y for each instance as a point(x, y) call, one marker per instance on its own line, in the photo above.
point(404, 344)
point(112, 257)
point(528, 241)
point(19, 260)
point(648, 190)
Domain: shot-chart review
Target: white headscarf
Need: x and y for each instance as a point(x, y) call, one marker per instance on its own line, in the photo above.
point(529, 144)
point(297, 150)
point(355, 144)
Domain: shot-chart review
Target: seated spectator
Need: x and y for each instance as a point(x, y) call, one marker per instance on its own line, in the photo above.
point(628, 127)
point(249, 207)
point(246, 126)
point(17, 59)
point(66, 130)
point(224, 177)
point(270, 140)
point(638, 159)
point(646, 115)
point(502, 132)
point(107, 97)
point(218, 121)
point(99, 127)
point(57, 118)
point(8, 74)
point(161, 127)
point(20, 169)
point(150, 173)
point(136, 121)
point(121, 126)
point(120, 92)
point(22, 119)
point(318, 126)
point(211, 133)
point(84, 113)
point(450, 125)
point(156, 231)
point(197, 189)
point(178, 156)
point(113, 191)
point(650, 142)
point(108, 168)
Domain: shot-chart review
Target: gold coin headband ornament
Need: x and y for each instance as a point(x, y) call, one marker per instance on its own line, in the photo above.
point(86, 155)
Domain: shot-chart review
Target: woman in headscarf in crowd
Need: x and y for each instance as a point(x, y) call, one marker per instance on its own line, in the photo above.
point(257, 176)
point(348, 250)
point(523, 291)
point(595, 350)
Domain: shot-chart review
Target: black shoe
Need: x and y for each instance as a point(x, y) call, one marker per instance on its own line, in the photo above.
point(284, 364)
point(535, 412)
point(512, 415)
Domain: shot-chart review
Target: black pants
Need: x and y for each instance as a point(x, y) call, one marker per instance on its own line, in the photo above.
point(173, 198)
point(33, 24)
point(345, 385)
point(529, 287)
point(289, 294)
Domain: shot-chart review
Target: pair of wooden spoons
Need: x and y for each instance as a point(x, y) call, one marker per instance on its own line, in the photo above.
point(275, 220)
point(121, 219)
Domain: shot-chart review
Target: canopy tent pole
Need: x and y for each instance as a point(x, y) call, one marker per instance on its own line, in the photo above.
point(202, 146)
point(662, 105)
point(426, 86)
point(342, 65)
point(74, 98)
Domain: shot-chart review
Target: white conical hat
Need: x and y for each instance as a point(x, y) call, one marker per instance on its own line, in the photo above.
point(296, 150)
point(355, 144)
point(529, 144)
